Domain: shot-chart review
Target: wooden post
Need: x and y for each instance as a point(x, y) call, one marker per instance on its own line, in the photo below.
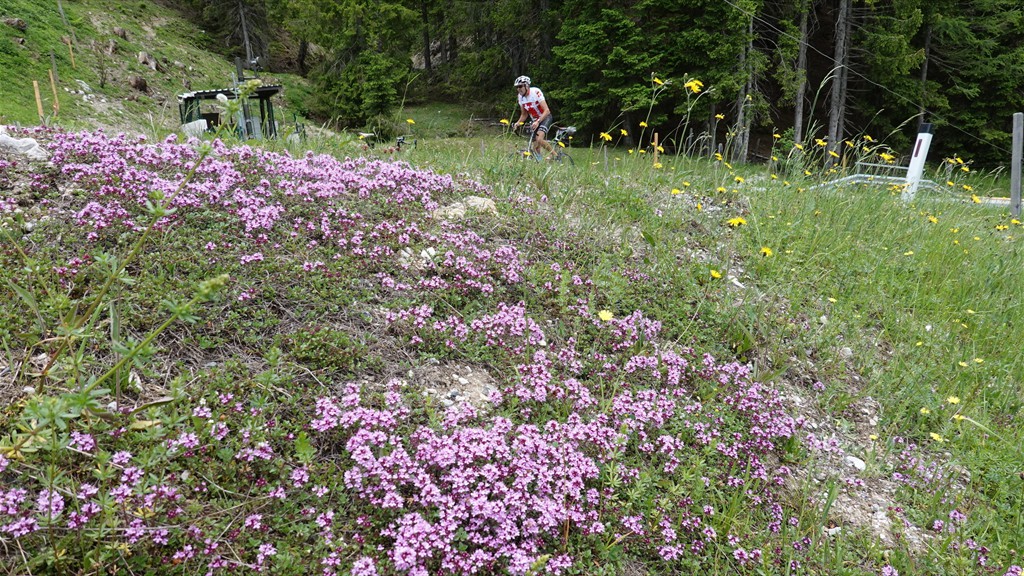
point(53, 66)
point(39, 100)
point(1015, 163)
point(71, 51)
point(655, 147)
point(56, 102)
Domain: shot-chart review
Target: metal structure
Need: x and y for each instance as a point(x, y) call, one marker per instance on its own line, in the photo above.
point(200, 112)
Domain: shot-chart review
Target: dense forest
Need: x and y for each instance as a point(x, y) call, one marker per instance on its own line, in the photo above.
point(807, 70)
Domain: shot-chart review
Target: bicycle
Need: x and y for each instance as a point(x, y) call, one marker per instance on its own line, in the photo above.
point(559, 143)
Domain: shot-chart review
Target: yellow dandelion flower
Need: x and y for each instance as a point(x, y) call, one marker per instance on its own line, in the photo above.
point(658, 166)
point(962, 364)
point(676, 191)
point(959, 417)
point(933, 219)
point(504, 121)
point(410, 121)
point(657, 81)
point(979, 360)
point(833, 154)
point(937, 437)
point(715, 274)
point(832, 300)
point(719, 116)
point(776, 136)
point(873, 437)
point(686, 184)
point(965, 168)
point(766, 251)
point(605, 136)
point(775, 176)
point(721, 190)
point(950, 183)
point(798, 146)
point(868, 138)
point(908, 253)
point(605, 315)
point(969, 188)
point(886, 156)
point(694, 86)
point(643, 124)
point(736, 222)
point(925, 410)
point(738, 179)
point(661, 149)
point(623, 132)
point(953, 399)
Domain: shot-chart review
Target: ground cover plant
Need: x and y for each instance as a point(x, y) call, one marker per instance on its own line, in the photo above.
point(232, 359)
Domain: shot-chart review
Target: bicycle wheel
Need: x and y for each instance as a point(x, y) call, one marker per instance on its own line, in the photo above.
point(564, 158)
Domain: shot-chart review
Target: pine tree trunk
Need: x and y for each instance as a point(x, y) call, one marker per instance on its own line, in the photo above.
point(801, 69)
point(840, 61)
point(922, 111)
point(426, 37)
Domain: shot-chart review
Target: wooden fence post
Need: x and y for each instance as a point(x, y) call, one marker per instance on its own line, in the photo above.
point(56, 101)
point(39, 100)
point(71, 51)
point(1015, 163)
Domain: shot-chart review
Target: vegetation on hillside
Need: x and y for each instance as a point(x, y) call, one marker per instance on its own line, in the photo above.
point(242, 359)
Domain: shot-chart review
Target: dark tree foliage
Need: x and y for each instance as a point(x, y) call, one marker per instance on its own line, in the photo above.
point(959, 65)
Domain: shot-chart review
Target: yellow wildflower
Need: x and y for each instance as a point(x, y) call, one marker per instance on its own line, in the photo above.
point(953, 399)
point(694, 85)
point(605, 315)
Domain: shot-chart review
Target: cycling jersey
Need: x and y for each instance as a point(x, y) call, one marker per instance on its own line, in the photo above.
point(531, 102)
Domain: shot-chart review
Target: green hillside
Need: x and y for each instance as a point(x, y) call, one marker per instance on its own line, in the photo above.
point(95, 47)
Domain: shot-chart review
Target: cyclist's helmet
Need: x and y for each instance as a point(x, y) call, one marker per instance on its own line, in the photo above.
point(522, 81)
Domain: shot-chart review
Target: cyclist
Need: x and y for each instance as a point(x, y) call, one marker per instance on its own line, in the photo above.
point(531, 102)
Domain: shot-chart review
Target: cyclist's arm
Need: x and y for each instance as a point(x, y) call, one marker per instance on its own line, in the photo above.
point(522, 115)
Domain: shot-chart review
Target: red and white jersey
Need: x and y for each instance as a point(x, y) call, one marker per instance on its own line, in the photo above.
point(531, 102)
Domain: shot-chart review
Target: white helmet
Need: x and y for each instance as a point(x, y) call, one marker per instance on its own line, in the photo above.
point(522, 81)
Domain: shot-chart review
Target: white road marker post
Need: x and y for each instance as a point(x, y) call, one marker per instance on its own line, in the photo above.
point(916, 169)
point(1015, 163)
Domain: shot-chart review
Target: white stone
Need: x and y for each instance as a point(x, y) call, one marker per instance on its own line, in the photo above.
point(855, 462)
point(24, 146)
